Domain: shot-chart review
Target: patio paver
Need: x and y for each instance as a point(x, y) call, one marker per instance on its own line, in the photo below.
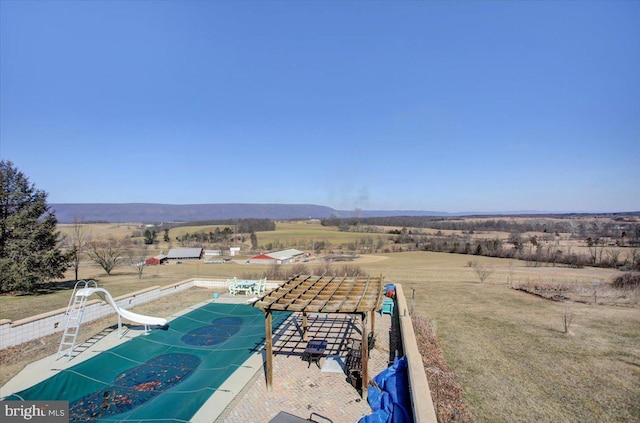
point(301, 389)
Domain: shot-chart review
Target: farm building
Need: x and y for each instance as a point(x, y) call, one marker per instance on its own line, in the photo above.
point(157, 260)
point(185, 254)
point(208, 253)
point(277, 257)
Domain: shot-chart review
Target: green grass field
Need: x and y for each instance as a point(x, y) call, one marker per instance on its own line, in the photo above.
point(286, 232)
point(508, 348)
point(303, 234)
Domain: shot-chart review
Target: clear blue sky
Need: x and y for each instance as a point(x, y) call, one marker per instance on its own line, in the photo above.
point(444, 106)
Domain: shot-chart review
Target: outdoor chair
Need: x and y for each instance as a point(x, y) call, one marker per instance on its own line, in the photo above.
point(231, 285)
point(353, 366)
point(261, 286)
point(353, 361)
point(356, 344)
point(387, 307)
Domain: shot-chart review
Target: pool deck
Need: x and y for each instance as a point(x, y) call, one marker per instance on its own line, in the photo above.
point(299, 388)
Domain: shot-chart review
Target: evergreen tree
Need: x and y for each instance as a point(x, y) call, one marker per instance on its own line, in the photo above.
point(29, 252)
point(149, 236)
point(254, 241)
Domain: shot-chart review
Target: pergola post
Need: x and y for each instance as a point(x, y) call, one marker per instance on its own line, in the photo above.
point(269, 348)
point(373, 321)
point(305, 335)
point(365, 357)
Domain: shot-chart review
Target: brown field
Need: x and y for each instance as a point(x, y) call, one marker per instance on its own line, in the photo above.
point(508, 348)
point(102, 230)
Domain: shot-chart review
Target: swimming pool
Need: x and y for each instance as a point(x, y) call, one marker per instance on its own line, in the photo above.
point(165, 376)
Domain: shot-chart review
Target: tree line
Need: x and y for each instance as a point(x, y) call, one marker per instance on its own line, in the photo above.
point(533, 250)
point(234, 230)
point(577, 226)
point(607, 240)
point(32, 253)
point(247, 225)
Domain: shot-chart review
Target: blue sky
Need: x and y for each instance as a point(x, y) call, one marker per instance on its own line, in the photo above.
point(444, 106)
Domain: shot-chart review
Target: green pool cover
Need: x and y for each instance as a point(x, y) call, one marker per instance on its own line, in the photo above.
point(165, 376)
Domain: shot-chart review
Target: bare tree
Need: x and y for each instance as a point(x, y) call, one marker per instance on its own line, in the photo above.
point(380, 243)
point(595, 250)
point(78, 244)
point(482, 272)
point(633, 255)
point(254, 241)
point(572, 227)
point(614, 254)
point(515, 238)
point(136, 258)
point(107, 254)
point(567, 318)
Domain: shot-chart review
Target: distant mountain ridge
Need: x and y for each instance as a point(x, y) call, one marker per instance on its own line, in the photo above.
point(152, 212)
point(156, 213)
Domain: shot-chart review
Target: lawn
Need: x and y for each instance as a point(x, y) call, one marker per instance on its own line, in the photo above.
point(123, 280)
point(509, 348)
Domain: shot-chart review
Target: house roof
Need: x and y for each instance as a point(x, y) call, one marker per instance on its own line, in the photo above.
point(184, 253)
point(285, 254)
point(262, 257)
point(325, 294)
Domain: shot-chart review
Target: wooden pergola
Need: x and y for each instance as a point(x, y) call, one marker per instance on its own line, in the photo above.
point(360, 295)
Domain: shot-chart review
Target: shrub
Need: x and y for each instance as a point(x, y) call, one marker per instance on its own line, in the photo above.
point(350, 270)
point(627, 281)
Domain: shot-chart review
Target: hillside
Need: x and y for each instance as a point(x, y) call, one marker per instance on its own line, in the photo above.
point(155, 213)
point(151, 212)
point(148, 212)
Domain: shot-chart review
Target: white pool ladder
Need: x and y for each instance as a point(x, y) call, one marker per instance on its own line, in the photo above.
point(75, 311)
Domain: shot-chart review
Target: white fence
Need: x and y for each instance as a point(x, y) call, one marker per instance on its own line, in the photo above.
point(34, 327)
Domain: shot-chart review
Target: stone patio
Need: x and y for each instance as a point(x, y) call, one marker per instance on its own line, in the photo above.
point(301, 388)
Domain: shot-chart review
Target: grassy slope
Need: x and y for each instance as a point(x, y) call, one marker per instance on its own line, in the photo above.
point(509, 350)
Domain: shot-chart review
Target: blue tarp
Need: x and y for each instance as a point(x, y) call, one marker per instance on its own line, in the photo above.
point(390, 400)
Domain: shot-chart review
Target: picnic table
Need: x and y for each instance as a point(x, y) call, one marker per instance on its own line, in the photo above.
point(314, 351)
point(245, 286)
